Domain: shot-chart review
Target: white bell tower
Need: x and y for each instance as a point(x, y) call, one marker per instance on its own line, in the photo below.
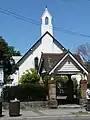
point(46, 22)
point(47, 40)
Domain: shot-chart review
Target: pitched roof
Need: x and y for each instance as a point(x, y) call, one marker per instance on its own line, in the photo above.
point(50, 60)
point(29, 52)
point(78, 58)
point(46, 11)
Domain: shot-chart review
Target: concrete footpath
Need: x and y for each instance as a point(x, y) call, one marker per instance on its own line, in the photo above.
point(62, 111)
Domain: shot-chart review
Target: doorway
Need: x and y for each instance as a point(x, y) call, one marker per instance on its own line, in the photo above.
point(66, 90)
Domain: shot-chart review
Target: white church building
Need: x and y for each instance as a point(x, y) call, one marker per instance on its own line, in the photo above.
point(48, 45)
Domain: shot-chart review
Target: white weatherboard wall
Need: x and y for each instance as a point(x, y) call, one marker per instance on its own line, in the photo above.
point(47, 44)
point(56, 49)
point(27, 64)
point(69, 66)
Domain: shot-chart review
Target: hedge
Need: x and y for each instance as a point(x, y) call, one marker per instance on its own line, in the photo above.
point(26, 92)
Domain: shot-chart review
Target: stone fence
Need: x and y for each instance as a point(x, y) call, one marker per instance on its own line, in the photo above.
point(28, 105)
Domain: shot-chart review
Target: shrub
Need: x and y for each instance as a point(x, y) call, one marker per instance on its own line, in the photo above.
point(25, 92)
point(30, 76)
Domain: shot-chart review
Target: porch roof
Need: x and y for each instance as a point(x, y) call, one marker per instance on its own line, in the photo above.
point(51, 61)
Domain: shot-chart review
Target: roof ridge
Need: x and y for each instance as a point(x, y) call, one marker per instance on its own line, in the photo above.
point(35, 45)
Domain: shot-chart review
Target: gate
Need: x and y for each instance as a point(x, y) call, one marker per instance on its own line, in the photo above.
point(61, 91)
point(66, 91)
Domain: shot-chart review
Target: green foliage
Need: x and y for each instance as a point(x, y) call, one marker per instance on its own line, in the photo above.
point(61, 78)
point(30, 76)
point(6, 50)
point(13, 52)
point(57, 78)
point(6, 53)
point(46, 79)
point(25, 92)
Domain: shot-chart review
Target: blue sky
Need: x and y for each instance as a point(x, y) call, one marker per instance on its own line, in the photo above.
point(73, 15)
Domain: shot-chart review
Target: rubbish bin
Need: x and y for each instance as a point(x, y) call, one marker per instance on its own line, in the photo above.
point(0, 109)
point(14, 108)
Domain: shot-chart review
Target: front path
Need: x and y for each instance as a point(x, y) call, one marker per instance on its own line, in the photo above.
point(45, 114)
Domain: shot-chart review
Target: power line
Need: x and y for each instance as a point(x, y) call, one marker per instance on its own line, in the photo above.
point(15, 14)
point(18, 16)
point(26, 19)
point(72, 32)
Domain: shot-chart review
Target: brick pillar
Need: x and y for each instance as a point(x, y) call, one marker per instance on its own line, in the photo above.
point(52, 93)
point(83, 91)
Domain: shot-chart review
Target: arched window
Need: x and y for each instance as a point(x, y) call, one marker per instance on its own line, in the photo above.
point(36, 63)
point(46, 21)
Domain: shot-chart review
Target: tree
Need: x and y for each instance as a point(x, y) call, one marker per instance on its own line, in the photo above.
point(87, 65)
point(6, 60)
point(13, 52)
point(84, 51)
point(30, 76)
point(8, 50)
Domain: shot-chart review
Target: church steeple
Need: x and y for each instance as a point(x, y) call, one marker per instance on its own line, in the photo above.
point(46, 22)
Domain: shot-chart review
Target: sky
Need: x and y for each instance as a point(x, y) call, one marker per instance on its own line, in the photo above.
point(68, 15)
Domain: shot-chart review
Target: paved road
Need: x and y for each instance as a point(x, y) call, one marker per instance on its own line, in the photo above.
point(47, 114)
point(48, 118)
point(58, 118)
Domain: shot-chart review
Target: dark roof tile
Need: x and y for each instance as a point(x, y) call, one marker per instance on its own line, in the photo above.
point(51, 59)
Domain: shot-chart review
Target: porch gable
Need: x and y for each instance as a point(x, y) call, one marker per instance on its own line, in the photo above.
point(68, 64)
